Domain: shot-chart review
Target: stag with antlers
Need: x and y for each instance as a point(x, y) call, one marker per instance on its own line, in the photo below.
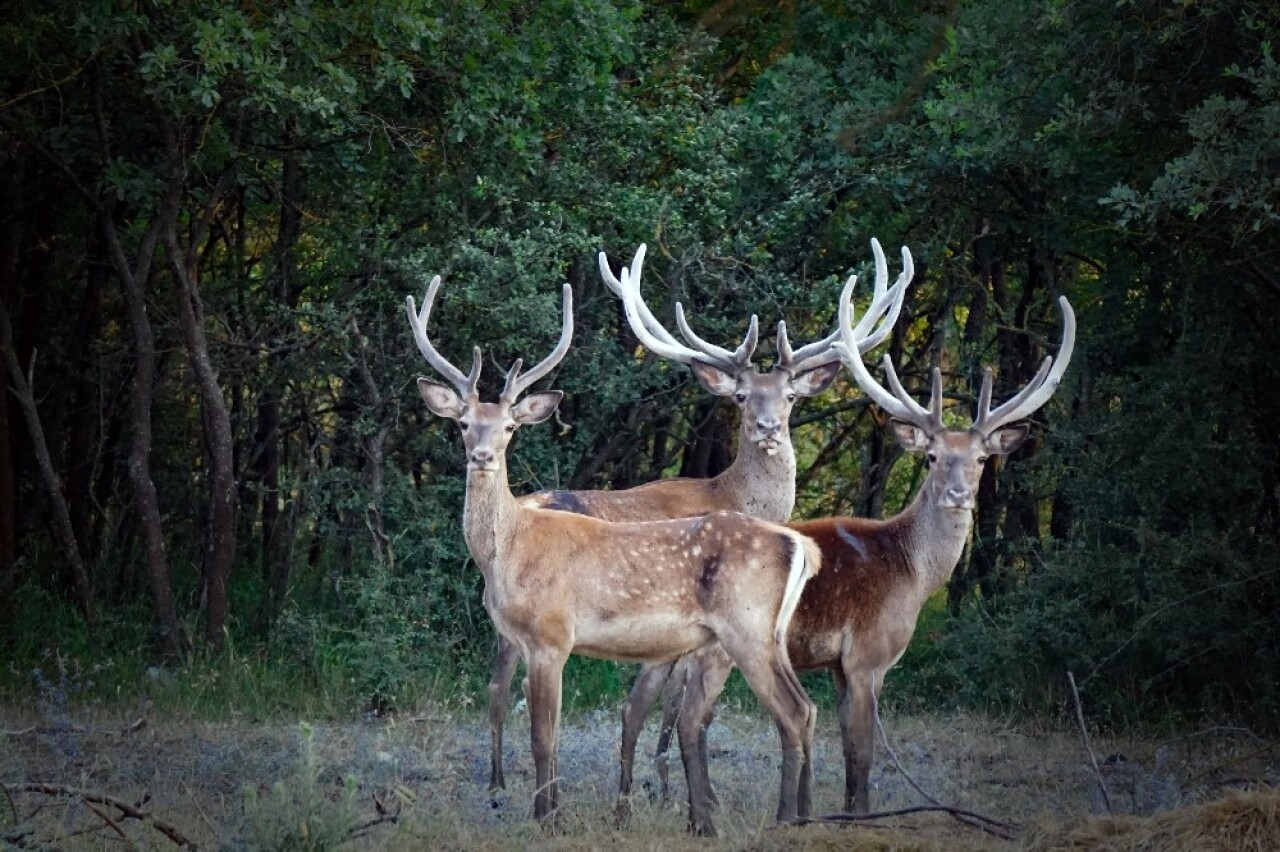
point(858, 616)
point(558, 583)
point(761, 480)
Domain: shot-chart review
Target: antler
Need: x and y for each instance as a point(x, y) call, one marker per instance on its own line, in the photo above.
point(517, 384)
point(657, 339)
point(899, 403)
point(1038, 391)
point(886, 304)
point(465, 385)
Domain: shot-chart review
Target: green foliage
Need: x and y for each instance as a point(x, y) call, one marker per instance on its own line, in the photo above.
point(299, 813)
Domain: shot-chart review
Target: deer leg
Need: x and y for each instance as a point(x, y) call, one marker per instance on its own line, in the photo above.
point(505, 658)
point(706, 676)
point(672, 706)
point(545, 671)
point(857, 729)
point(775, 685)
point(651, 680)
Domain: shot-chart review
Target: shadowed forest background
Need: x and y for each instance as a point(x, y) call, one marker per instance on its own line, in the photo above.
point(213, 458)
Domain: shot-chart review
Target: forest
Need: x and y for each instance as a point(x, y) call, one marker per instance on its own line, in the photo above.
point(214, 458)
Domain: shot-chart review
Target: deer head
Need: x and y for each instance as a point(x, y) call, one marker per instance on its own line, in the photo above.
point(956, 457)
point(487, 427)
point(765, 398)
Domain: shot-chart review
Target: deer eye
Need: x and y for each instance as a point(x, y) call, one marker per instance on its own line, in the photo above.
point(510, 427)
point(741, 397)
point(463, 425)
point(791, 396)
point(982, 459)
point(932, 457)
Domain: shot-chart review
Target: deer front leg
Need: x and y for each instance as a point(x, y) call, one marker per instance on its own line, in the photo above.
point(545, 669)
point(707, 674)
point(857, 729)
point(649, 683)
point(505, 658)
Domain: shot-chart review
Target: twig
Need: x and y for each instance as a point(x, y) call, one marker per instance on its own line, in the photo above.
point(126, 809)
point(999, 828)
point(363, 828)
point(1084, 737)
point(108, 820)
point(13, 809)
point(972, 818)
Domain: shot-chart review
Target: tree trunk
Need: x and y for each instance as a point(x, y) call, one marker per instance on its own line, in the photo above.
point(57, 501)
point(220, 545)
point(146, 500)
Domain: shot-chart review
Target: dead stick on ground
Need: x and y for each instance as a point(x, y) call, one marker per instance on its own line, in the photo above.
point(971, 818)
point(1084, 736)
point(115, 826)
point(126, 809)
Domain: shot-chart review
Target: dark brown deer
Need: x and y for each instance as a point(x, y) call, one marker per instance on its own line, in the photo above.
point(558, 583)
point(858, 616)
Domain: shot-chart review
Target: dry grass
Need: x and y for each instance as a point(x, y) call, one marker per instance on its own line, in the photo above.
point(431, 771)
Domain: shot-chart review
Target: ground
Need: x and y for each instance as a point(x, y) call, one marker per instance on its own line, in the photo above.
point(254, 785)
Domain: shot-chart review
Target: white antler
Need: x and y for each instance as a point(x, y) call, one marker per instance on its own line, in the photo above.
point(1038, 390)
point(517, 384)
point(657, 339)
point(465, 385)
point(885, 307)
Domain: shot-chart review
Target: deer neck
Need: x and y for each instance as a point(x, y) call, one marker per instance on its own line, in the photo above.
point(935, 539)
point(489, 512)
point(760, 484)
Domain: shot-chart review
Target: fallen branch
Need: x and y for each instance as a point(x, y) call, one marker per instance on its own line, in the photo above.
point(998, 828)
point(131, 728)
point(127, 810)
point(1084, 736)
point(1003, 830)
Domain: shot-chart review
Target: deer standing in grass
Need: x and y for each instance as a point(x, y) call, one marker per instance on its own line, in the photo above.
point(857, 617)
point(761, 480)
point(558, 583)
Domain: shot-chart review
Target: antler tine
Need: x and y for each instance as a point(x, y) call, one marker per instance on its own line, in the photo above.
point(465, 385)
point(620, 290)
point(735, 360)
point(899, 404)
point(1038, 390)
point(517, 384)
point(886, 303)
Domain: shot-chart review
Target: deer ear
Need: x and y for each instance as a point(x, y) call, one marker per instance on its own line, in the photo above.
point(443, 401)
point(536, 407)
point(712, 378)
point(910, 437)
point(815, 381)
point(1006, 440)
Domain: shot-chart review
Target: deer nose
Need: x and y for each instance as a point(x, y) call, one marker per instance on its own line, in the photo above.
point(767, 424)
point(482, 456)
point(961, 496)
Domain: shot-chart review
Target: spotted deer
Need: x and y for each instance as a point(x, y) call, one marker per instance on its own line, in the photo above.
point(858, 616)
point(760, 481)
point(558, 583)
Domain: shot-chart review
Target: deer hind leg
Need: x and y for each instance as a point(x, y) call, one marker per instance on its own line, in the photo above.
point(652, 680)
point(672, 706)
point(775, 685)
point(545, 672)
point(505, 658)
point(707, 673)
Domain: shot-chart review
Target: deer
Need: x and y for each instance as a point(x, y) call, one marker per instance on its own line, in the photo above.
point(858, 616)
point(761, 479)
point(559, 583)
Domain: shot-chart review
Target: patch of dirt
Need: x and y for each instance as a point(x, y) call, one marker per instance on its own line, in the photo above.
point(431, 771)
